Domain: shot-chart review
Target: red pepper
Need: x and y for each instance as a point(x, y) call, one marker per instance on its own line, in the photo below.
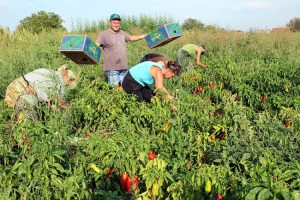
point(223, 137)
point(108, 171)
point(128, 184)
point(123, 179)
point(87, 135)
point(196, 90)
point(201, 89)
point(211, 85)
point(218, 196)
point(288, 123)
point(262, 98)
point(136, 182)
point(151, 155)
point(213, 137)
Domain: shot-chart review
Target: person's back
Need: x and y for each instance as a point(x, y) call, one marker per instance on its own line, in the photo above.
point(141, 72)
point(142, 75)
point(187, 54)
point(191, 49)
point(46, 83)
point(154, 57)
point(42, 85)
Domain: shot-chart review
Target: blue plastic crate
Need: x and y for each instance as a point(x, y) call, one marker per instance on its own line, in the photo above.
point(163, 35)
point(80, 49)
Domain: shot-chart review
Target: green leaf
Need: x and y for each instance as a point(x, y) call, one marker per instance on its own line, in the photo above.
point(59, 157)
point(253, 193)
point(142, 156)
point(263, 161)
point(264, 194)
point(295, 183)
point(285, 195)
point(246, 156)
point(289, 174)
point(296, 195)
point(59, 167)
point(16, 166)
point(22, 169)
point(217, 160)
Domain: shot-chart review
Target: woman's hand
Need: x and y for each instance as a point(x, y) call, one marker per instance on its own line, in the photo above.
point(170, 97)
point(64, 104)
point(173, 108)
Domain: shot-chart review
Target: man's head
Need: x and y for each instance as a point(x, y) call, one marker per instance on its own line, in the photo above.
point(69, 77)
point(115, 22)
point(202, 47)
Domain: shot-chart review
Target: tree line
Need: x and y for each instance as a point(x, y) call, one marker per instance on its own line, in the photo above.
point(42, 20)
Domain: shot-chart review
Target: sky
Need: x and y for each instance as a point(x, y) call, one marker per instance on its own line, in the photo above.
point(230, 14)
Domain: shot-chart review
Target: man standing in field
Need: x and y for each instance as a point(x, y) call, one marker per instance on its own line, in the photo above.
point(113, 41)
point(187, 52)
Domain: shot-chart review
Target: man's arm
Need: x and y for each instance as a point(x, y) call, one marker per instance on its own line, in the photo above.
point(136, 37)
point(199, 51)
point(99, 41)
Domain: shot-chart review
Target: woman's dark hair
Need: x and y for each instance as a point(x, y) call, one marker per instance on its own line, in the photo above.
point(174, 67)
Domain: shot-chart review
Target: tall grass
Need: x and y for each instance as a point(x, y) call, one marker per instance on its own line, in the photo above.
point(23, 51)
point(142, 23)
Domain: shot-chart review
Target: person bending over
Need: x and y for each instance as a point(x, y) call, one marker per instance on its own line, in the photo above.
point(142, 75)
point(188, 52)
point(41, 86)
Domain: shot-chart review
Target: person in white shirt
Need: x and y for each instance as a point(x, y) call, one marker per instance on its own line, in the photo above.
point(39, 86)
